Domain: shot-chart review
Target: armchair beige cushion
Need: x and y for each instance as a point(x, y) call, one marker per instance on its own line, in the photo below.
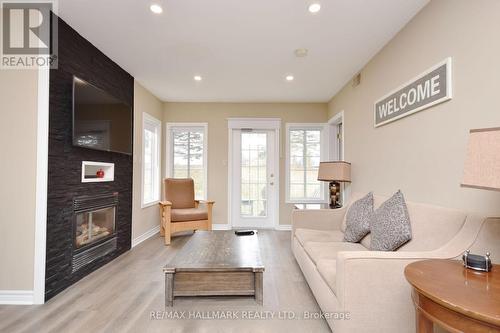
point(189, 214)
point(180, 192)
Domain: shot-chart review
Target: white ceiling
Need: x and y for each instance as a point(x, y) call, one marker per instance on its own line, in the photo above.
point(243, 49)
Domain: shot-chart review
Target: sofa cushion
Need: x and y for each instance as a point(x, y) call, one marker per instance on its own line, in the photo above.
point(390, 226)
point(327, 268)
point(328, 250)
point(358, 219)
point(189, 214)
point(311, 235)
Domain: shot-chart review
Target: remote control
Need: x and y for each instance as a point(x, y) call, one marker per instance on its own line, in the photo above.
point(245, 232)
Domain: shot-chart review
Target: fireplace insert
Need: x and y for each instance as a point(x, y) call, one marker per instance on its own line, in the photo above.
point(94, 227)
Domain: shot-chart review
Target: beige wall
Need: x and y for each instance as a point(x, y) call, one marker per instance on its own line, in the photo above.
point(423, 154)
point(18, 137)
point(143, 219)
point(216, 114)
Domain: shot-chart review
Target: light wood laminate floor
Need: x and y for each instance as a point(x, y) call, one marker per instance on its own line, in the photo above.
point(121, 296)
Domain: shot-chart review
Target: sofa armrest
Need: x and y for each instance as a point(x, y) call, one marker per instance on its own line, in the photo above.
point(319, 219)
point(371, 286)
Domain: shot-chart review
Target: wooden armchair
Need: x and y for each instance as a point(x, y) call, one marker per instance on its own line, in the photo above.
point(180, 211)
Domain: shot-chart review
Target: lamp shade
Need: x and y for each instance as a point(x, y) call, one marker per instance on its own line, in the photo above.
point(482, 161)
point(339, 171)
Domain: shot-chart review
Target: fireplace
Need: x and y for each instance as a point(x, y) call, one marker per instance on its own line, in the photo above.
point(94, 228)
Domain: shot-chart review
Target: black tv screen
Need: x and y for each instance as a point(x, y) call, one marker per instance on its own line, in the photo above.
point(100, 121)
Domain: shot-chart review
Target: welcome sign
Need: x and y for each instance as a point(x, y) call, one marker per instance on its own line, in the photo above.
point(429, 88)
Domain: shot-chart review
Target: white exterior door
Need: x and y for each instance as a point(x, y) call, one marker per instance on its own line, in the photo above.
point(254, 178)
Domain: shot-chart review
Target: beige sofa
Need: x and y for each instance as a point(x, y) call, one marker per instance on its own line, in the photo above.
point(370, 285)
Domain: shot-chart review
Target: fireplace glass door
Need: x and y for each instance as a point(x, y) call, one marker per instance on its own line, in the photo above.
point(94, 225)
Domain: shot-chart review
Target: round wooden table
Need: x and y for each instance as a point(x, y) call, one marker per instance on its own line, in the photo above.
point(457, 299)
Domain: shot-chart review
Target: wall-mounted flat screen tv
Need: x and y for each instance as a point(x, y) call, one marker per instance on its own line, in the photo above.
point(100, 121)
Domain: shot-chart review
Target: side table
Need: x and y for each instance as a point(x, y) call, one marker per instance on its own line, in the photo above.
point(457, 299)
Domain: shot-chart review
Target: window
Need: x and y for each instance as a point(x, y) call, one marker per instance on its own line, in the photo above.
point(187, 155)
point(305, 148)
point(151, 136)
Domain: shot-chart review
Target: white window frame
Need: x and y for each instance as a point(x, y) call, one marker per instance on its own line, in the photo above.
point(169, 151)
point(148, 120)
point(323, 157)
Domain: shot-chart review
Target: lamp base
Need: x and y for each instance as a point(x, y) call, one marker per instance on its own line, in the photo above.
point(335, 195)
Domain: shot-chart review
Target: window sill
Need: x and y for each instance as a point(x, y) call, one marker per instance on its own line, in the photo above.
point(307, 202)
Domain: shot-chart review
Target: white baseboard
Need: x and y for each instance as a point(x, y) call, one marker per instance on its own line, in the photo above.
point(281, 227)
point(284, 227)
point(221, 227)
point(148, 234)
point(16, 297)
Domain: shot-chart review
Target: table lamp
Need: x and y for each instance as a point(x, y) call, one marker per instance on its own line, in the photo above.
point(335, 172)
point(482, 161)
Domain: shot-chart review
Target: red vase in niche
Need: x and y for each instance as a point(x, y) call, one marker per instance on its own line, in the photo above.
point(100, 173)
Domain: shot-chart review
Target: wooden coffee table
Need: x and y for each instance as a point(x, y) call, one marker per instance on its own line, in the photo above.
point(215, 263)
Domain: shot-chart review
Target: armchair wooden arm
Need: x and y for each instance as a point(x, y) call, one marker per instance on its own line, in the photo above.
point(167, 227)
point(209, 203)
point(165, 211)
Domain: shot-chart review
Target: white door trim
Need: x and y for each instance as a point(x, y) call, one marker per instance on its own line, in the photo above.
point(332, 127)
point(333, 151)
point(258, 124)
point(42, 158)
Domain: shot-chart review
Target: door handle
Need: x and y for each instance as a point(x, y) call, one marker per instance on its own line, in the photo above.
point(271, 183)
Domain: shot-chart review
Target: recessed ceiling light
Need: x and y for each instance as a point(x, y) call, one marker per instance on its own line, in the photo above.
point(314, 8)
point(197, 78)
point(300, 53)
point(155, 8)
point(289, 78)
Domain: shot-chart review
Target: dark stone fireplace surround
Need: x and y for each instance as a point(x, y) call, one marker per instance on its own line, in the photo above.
point(79, 57)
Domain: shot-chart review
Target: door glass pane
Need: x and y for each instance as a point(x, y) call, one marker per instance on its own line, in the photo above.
point(253, 175)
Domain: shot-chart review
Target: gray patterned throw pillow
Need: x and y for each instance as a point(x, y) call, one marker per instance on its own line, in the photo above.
point(390, 227)
point(358, 219)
